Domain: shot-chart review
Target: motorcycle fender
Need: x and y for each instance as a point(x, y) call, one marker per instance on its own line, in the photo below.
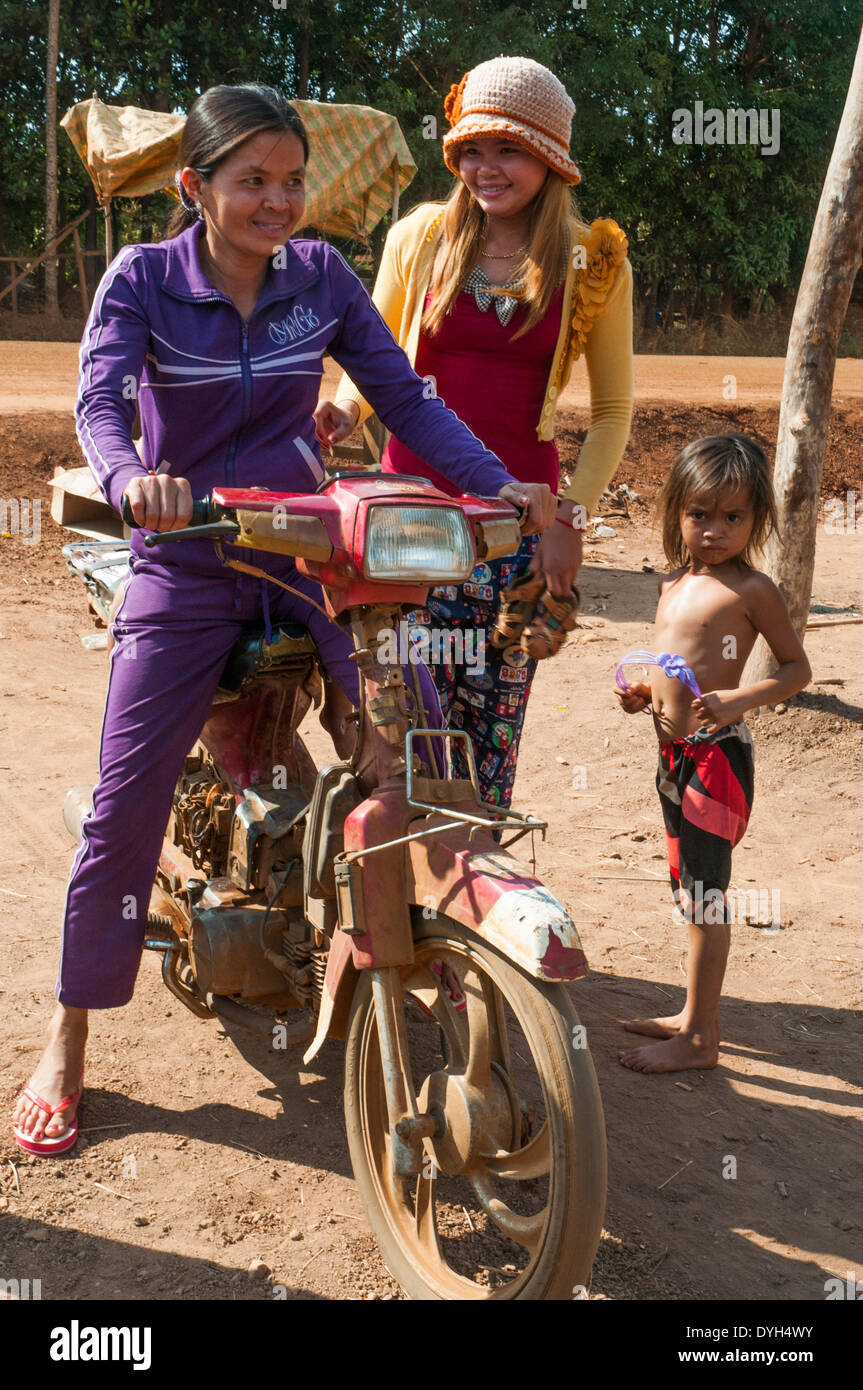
point(388, 939)
point(490, 892)
point(340, 981)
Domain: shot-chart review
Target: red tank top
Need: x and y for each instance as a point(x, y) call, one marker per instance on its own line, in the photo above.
point(494, 385)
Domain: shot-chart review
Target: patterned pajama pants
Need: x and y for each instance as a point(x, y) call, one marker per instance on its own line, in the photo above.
point(482, 691)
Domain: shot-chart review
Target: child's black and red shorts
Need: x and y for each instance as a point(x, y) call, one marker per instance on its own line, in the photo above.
point(705, 784)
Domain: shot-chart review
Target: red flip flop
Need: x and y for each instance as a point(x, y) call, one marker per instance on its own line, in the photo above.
point(46, 1147)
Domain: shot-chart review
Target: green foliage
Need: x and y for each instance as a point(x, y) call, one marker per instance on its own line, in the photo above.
point(710, 226)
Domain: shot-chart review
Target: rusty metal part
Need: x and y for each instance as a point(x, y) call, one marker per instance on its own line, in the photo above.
point(305, 963)
point(337, 792)
point(201, 815)
point(395, 1060)
point(265, 828)
point(340, 981)
point(348, 877)
point(507, 819)
point(226, 953)
point(186, 993)
point(262, 1024)
point(424, 1126)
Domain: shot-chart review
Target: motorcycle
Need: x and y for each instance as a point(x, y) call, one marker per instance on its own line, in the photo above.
point(375, 901)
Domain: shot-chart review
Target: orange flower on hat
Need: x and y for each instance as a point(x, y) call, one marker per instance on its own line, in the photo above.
point(452, 101)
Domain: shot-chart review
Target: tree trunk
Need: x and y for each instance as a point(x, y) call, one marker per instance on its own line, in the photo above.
point(51, 307)
point(819, 313)
point(302, 56)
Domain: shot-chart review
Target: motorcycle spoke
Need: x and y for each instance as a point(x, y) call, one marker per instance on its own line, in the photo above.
point(425, 1225)
point(478, 1068)
point(524, 1230)
point(533, 1161)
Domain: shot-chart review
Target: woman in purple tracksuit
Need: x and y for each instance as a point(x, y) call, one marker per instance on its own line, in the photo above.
point(218, 333)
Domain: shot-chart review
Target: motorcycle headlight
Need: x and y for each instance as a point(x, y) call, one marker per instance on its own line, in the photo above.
point(415, 543)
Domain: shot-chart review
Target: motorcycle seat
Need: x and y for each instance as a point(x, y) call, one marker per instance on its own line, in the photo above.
point(291, 648)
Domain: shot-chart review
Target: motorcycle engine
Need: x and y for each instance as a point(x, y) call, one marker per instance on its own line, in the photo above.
point(242, 840)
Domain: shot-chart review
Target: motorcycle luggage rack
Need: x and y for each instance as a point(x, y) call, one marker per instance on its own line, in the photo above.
point(502, 820)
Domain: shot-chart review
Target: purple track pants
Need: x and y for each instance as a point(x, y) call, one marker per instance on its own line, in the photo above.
point(173, 633)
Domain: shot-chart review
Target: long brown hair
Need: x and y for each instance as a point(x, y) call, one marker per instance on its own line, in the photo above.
point(706, 467)
point(220, 120)
point(462, 231)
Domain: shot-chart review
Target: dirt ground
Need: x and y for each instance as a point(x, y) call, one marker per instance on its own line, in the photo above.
point(202, 1150)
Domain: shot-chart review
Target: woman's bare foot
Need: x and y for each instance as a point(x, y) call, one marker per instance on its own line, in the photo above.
point(682, 1052)
point(656, 1027)
point(56, 1076)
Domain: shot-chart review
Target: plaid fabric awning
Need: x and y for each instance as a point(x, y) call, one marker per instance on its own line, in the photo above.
point(359, 160)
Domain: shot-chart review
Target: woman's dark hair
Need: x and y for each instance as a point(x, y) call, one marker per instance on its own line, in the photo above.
point(706, 467)
point(220, 120)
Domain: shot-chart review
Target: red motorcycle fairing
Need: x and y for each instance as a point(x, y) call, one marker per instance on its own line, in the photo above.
point(308, 523)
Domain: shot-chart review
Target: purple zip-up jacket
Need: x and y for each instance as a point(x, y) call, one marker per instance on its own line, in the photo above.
point(227, 402)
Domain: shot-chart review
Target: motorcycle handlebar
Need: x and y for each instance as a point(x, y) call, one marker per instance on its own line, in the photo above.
point(208, 519)
point(201, 512)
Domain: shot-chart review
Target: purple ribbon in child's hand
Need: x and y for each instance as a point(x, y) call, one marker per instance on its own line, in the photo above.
point(673, 666)
point(677, 668)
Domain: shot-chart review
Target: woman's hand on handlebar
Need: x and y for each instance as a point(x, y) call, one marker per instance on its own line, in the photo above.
point(539, 500)
point(160, 502)
point(334, 422)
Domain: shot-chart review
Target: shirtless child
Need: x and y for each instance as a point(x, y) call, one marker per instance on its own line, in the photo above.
point(717, 509)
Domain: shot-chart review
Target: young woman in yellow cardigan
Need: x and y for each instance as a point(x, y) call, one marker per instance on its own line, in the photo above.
point(494, 295)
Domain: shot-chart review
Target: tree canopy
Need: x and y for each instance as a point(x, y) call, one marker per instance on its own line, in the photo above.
point(709, 224)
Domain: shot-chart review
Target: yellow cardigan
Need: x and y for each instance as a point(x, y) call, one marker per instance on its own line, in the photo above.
point(596, 318)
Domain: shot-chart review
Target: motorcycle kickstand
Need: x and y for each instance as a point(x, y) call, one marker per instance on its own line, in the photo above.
point(408, 1127)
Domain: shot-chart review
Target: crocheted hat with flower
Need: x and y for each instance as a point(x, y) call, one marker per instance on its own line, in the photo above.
point(515, 99)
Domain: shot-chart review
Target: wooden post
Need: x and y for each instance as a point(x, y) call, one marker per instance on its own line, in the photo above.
point(396, 191)
point(819, 313)
point(109, 239)
point(82, 274)
point(51, 301)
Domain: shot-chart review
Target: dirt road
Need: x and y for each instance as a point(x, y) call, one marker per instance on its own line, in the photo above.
point(41, 376)
point(203, 1151)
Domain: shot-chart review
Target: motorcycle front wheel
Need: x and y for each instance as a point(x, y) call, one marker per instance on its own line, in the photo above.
point(511, 1194)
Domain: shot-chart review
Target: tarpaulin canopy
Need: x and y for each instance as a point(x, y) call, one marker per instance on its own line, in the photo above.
point(358, 161)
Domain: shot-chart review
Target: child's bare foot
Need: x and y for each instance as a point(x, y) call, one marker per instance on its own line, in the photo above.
point(656, 1027)
point(682, 1052)
point(56, 1076)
